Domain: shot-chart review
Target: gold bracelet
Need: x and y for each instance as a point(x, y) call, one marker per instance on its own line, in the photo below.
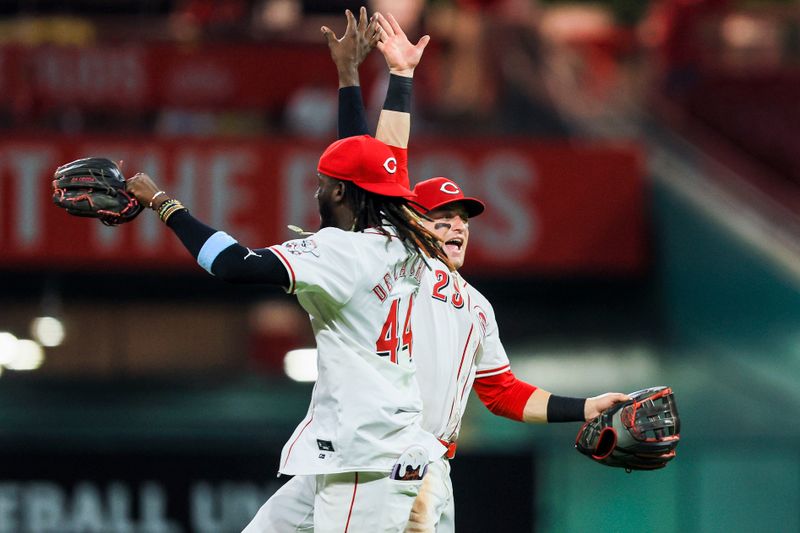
point(169, 208)
point(166, 205)
point(173, 211)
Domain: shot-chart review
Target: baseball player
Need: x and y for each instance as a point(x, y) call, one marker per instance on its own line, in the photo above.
point(360, 452)
point(296, 506)
point(457, 345)
point(478, 361)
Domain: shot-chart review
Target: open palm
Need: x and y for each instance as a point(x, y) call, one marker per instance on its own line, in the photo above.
point(401, 55)
point(358, 39)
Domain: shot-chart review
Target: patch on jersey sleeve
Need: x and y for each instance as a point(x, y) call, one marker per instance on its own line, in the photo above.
point(325, 445)
point(302, 246)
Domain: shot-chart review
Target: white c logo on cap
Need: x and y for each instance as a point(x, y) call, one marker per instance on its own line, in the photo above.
point(390, 165)
point(448, 187)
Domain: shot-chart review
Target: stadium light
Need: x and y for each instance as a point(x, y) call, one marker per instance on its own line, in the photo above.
point(8, 347)
point(47, 330)
point(28, 355)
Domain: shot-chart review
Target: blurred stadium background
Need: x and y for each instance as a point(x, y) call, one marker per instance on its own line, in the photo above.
point(639, 162)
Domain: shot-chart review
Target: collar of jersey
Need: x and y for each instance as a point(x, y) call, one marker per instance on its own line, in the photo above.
point(386, 225)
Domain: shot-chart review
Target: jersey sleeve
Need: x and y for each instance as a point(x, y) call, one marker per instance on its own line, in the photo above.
point(493, 360)
point(326, 262)
point(352, 118)
point(504, 395)
point(394, 123)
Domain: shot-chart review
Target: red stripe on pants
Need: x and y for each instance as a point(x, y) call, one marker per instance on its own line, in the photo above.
point(352, 502)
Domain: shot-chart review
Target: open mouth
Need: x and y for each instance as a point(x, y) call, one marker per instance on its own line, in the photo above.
point(456, 243)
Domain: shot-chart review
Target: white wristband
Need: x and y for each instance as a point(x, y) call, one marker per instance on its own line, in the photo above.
point(156, 195)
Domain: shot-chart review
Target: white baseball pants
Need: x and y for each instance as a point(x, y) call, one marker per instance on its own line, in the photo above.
point(353, 502)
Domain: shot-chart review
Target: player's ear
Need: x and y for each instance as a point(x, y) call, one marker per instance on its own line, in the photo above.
point(337, 191)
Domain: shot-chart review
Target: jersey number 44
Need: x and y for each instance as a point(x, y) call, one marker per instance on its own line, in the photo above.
point(395, 342)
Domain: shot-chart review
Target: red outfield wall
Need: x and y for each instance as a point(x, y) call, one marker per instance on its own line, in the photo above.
point(551, 208)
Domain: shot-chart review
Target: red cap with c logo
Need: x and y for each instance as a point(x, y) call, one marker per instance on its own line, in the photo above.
point(367, 162)
point(437, 192)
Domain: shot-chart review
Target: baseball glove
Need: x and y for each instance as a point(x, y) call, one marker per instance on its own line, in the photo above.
point(639, 434)
point(94, 187)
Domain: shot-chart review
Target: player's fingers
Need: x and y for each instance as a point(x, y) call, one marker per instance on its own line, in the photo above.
point(380, 45)
point(362, 19)
point(375, 39)
point(395, 26)
point(385, 26)
point(351, 22)
point(137, 178)
point(329, 35)
point(373, 36)
point(423, 42)
point(372, 27)
point(616, 396)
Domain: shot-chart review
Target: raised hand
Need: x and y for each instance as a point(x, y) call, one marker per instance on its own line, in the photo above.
point(357, 42)
point(401, 56)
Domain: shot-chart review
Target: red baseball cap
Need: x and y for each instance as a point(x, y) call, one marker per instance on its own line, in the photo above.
point(367, 162)
point(437, 192)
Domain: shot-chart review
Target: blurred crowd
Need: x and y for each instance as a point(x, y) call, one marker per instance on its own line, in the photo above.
point(494, 67)
point(484, 72)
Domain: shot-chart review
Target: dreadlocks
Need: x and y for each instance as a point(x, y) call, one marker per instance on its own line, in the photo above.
point(374, 211)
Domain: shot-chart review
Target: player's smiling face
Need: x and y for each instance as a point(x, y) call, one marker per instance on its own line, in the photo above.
point(451, 224)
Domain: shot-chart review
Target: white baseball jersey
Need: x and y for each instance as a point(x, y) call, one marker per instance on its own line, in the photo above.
point(456, 339)
point(366, 408)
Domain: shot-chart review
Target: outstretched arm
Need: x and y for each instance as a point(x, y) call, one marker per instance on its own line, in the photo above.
point(354, 46)
point(216, 251)
point(348, 53)
point(544, 406)
point(507, 396)
point(402, 57)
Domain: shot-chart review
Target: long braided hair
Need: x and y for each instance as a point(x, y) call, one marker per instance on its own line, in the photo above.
point(374, 211)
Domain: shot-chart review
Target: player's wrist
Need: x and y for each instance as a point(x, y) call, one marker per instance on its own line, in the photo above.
point(405, 72)
point(398, 95)
point(169, 207)
point(348, 76)
point(158, 200)
point(565, 409)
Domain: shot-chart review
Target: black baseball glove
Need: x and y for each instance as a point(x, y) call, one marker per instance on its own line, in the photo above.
point(639, 434)
point(94, 187)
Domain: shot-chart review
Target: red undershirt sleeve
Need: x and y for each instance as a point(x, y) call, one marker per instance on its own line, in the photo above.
point(504, 395)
